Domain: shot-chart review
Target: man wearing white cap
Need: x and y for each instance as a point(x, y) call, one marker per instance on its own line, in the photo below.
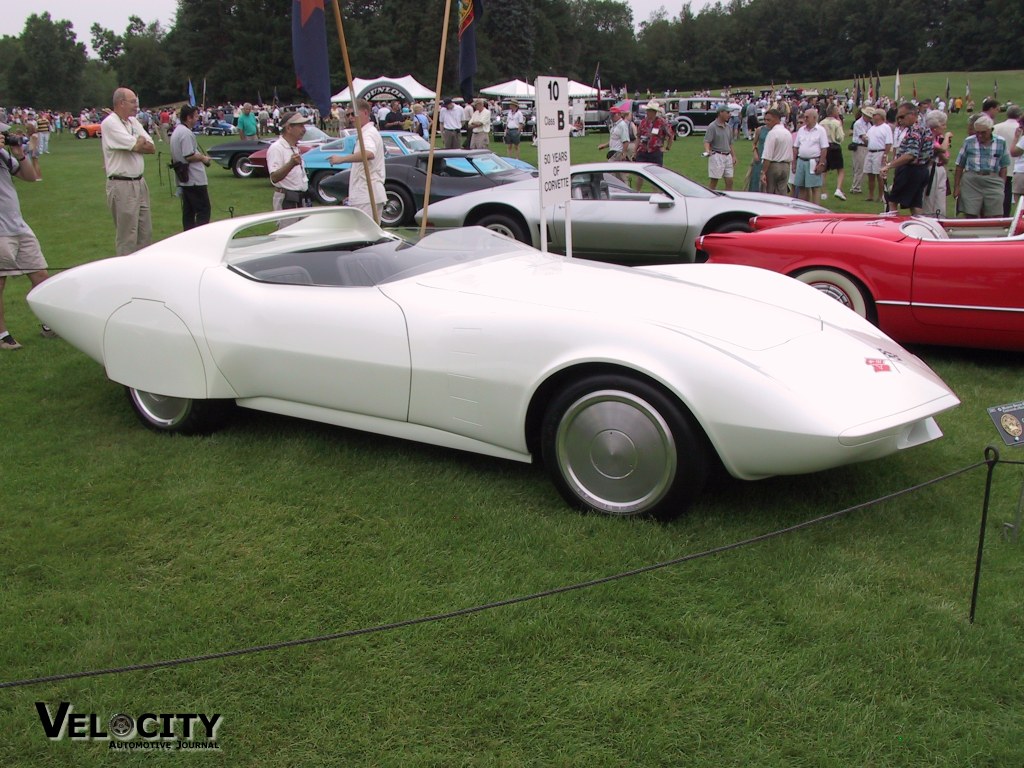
point(284, 162)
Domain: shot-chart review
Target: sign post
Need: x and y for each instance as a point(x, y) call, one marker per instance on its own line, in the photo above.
point(553, 125)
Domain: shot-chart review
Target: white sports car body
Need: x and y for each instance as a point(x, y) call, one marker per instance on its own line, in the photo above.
point(625, 213)
point(629, 383)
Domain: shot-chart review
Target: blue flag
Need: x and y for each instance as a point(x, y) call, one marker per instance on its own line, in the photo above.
point(470, 13)
point(309, 49)
point(191, 94)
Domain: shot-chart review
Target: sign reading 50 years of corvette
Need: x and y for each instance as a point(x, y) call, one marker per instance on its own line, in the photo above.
point(553, 139)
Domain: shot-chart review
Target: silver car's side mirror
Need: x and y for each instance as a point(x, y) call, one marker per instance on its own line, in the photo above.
point(662, 201)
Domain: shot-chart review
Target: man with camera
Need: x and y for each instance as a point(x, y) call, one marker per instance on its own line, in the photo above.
point(20, 253)
point(190, 165)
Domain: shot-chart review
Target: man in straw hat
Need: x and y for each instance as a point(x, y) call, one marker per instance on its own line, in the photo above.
point(654, 135)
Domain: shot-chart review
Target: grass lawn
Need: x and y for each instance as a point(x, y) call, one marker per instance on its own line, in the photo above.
point(846, 644)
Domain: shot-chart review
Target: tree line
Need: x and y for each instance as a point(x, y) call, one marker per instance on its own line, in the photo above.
point(241, 49)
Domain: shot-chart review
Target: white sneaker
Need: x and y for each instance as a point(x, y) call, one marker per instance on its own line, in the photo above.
point(824, 196)
point(840, 195)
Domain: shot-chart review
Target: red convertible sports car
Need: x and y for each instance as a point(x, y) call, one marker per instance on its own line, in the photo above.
point(950, 282)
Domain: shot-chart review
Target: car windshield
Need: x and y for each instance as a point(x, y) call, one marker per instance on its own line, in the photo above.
point(681, 184)
point(490, 163)
point(414, 143)
point(344, 248)
point(314, 134)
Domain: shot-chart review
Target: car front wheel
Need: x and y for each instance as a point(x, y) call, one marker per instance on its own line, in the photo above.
point(81, 133)
point(506, 225)
point(841, 287)
point(620, 446)
point(241, 168)
point(684, 129)
point(182, 415)
point(398, 208)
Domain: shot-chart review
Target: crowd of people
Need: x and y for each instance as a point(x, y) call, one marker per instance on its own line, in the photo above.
point(800, 143)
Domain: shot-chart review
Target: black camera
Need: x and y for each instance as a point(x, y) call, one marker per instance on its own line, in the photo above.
point(12, 139)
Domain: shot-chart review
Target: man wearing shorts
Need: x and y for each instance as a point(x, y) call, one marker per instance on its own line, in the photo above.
point(913, 162)
point(810, 145)
point(514, 123)
point(20, 253)
point(879, 142)
point(719, 151)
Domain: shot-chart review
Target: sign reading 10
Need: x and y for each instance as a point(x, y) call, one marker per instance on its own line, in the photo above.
point(553, 95)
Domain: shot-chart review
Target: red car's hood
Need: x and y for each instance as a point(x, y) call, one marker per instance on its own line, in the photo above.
point(821, 219)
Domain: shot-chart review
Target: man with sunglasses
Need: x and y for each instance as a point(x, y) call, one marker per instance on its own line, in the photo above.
point(912, 164)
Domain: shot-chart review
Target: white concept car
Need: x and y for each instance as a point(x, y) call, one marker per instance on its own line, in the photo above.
point(629, 384)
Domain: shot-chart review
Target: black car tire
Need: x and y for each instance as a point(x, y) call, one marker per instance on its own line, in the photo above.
point(506, 225)
point(621, 446)
point(240, 167)
point(320, 194)
point(81, 133)
point(179, 415)
point(683, 129)
point(399, 210)
point(732, 226)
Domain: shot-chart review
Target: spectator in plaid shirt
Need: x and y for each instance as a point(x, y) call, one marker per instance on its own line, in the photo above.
point(912, 164)
point(981, 169)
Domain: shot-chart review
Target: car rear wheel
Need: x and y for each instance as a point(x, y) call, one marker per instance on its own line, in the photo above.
point(620, 446)
point(81, 133)
point(398, 208)
point(683, 129)
point(506, 225)
point(241, 168)
point(321, 194)
point(845, 289)
point(182, 415)
point(732, 226)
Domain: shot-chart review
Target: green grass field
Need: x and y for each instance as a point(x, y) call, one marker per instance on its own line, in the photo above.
point(845, 644)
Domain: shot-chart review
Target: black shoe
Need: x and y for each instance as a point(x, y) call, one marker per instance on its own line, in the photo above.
point(47, 332)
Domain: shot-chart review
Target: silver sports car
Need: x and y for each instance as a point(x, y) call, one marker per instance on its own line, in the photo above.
point(627, 213)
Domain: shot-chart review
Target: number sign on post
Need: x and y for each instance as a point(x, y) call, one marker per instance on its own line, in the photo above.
point(553, 150)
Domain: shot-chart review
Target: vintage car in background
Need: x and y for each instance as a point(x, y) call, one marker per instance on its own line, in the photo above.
point(627, 213)
point(454, 172)
point(88, 131)
point(950, 282)
point(631, 385)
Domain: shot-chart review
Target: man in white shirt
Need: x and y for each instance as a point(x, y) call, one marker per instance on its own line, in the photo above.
point(778, 153)
point(880, 141)
point(451, 124)
point(1008, 130)
point(618, 137)
point(125, 141)
point(480, 125)
point(810, 143)
point(284, 163)
point(366, 194)
point(860, 153)
point(514, 123)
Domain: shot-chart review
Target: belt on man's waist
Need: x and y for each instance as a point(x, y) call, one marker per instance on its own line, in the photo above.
point(809, 158)
point(123, 178)
point(984, 173)
point(779, 162)
point(876, 150)
point(716, 152)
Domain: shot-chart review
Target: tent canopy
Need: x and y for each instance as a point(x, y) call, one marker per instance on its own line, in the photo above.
point(578, 90)
point(513, 89)
point(388, 88)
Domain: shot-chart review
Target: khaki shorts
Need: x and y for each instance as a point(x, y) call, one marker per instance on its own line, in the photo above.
point(20, 255)
point(720, 166)
point(1018, 183)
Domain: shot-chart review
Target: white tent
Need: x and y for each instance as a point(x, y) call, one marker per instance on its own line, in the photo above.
point(578, 90)
point(513, 89)
point(388, 87)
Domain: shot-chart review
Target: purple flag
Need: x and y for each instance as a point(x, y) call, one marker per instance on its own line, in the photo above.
point(309, 49)
point(470, 13)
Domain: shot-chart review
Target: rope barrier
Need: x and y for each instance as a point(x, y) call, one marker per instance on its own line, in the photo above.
point(500, 603)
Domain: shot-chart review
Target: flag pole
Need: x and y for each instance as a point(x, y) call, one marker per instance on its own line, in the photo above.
point(352, 100)
point(433, 118)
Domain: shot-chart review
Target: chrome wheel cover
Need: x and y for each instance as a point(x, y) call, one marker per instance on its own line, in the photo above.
point(616, 452)
point(161, 410)
point(394, 210)
point(501, 229)
point(833, 291)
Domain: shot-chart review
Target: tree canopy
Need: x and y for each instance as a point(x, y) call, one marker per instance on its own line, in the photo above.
point(241, 49)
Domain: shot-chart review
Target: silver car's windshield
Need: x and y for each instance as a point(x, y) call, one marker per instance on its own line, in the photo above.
point(681, 184)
